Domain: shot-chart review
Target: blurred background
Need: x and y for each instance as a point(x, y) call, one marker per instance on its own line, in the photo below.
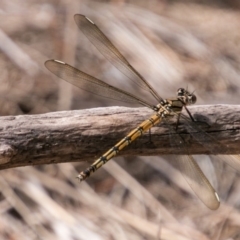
point(194, 44)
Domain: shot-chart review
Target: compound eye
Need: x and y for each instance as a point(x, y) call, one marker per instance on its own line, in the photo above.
point(193, 99)
point(180, 91)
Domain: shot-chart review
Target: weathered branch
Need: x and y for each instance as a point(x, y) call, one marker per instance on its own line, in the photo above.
point(85, 134)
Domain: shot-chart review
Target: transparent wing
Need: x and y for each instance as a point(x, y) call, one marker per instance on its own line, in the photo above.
point(91, 84)
point(198, 181)
point(111, 53)
point(193, 174)
point(210, 143)
point(200, 135)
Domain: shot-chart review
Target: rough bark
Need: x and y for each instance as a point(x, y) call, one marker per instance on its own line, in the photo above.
point(83, 135)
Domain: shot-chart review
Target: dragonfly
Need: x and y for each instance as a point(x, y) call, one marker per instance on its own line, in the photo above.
point(165, 109)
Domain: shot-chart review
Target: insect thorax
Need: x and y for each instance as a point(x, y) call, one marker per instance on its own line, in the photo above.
point(170, 107)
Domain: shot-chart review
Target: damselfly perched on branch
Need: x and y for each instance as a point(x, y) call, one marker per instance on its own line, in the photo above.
point(165, 109)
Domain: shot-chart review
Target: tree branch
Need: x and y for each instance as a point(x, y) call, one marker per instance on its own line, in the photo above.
point(86, 134)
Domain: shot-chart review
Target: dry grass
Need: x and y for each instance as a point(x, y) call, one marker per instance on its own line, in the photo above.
point(173, 44)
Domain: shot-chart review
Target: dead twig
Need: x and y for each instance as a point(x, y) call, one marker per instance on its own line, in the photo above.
point(85, 134)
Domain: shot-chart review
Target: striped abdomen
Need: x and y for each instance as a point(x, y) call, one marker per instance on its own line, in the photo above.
point(134, 134)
